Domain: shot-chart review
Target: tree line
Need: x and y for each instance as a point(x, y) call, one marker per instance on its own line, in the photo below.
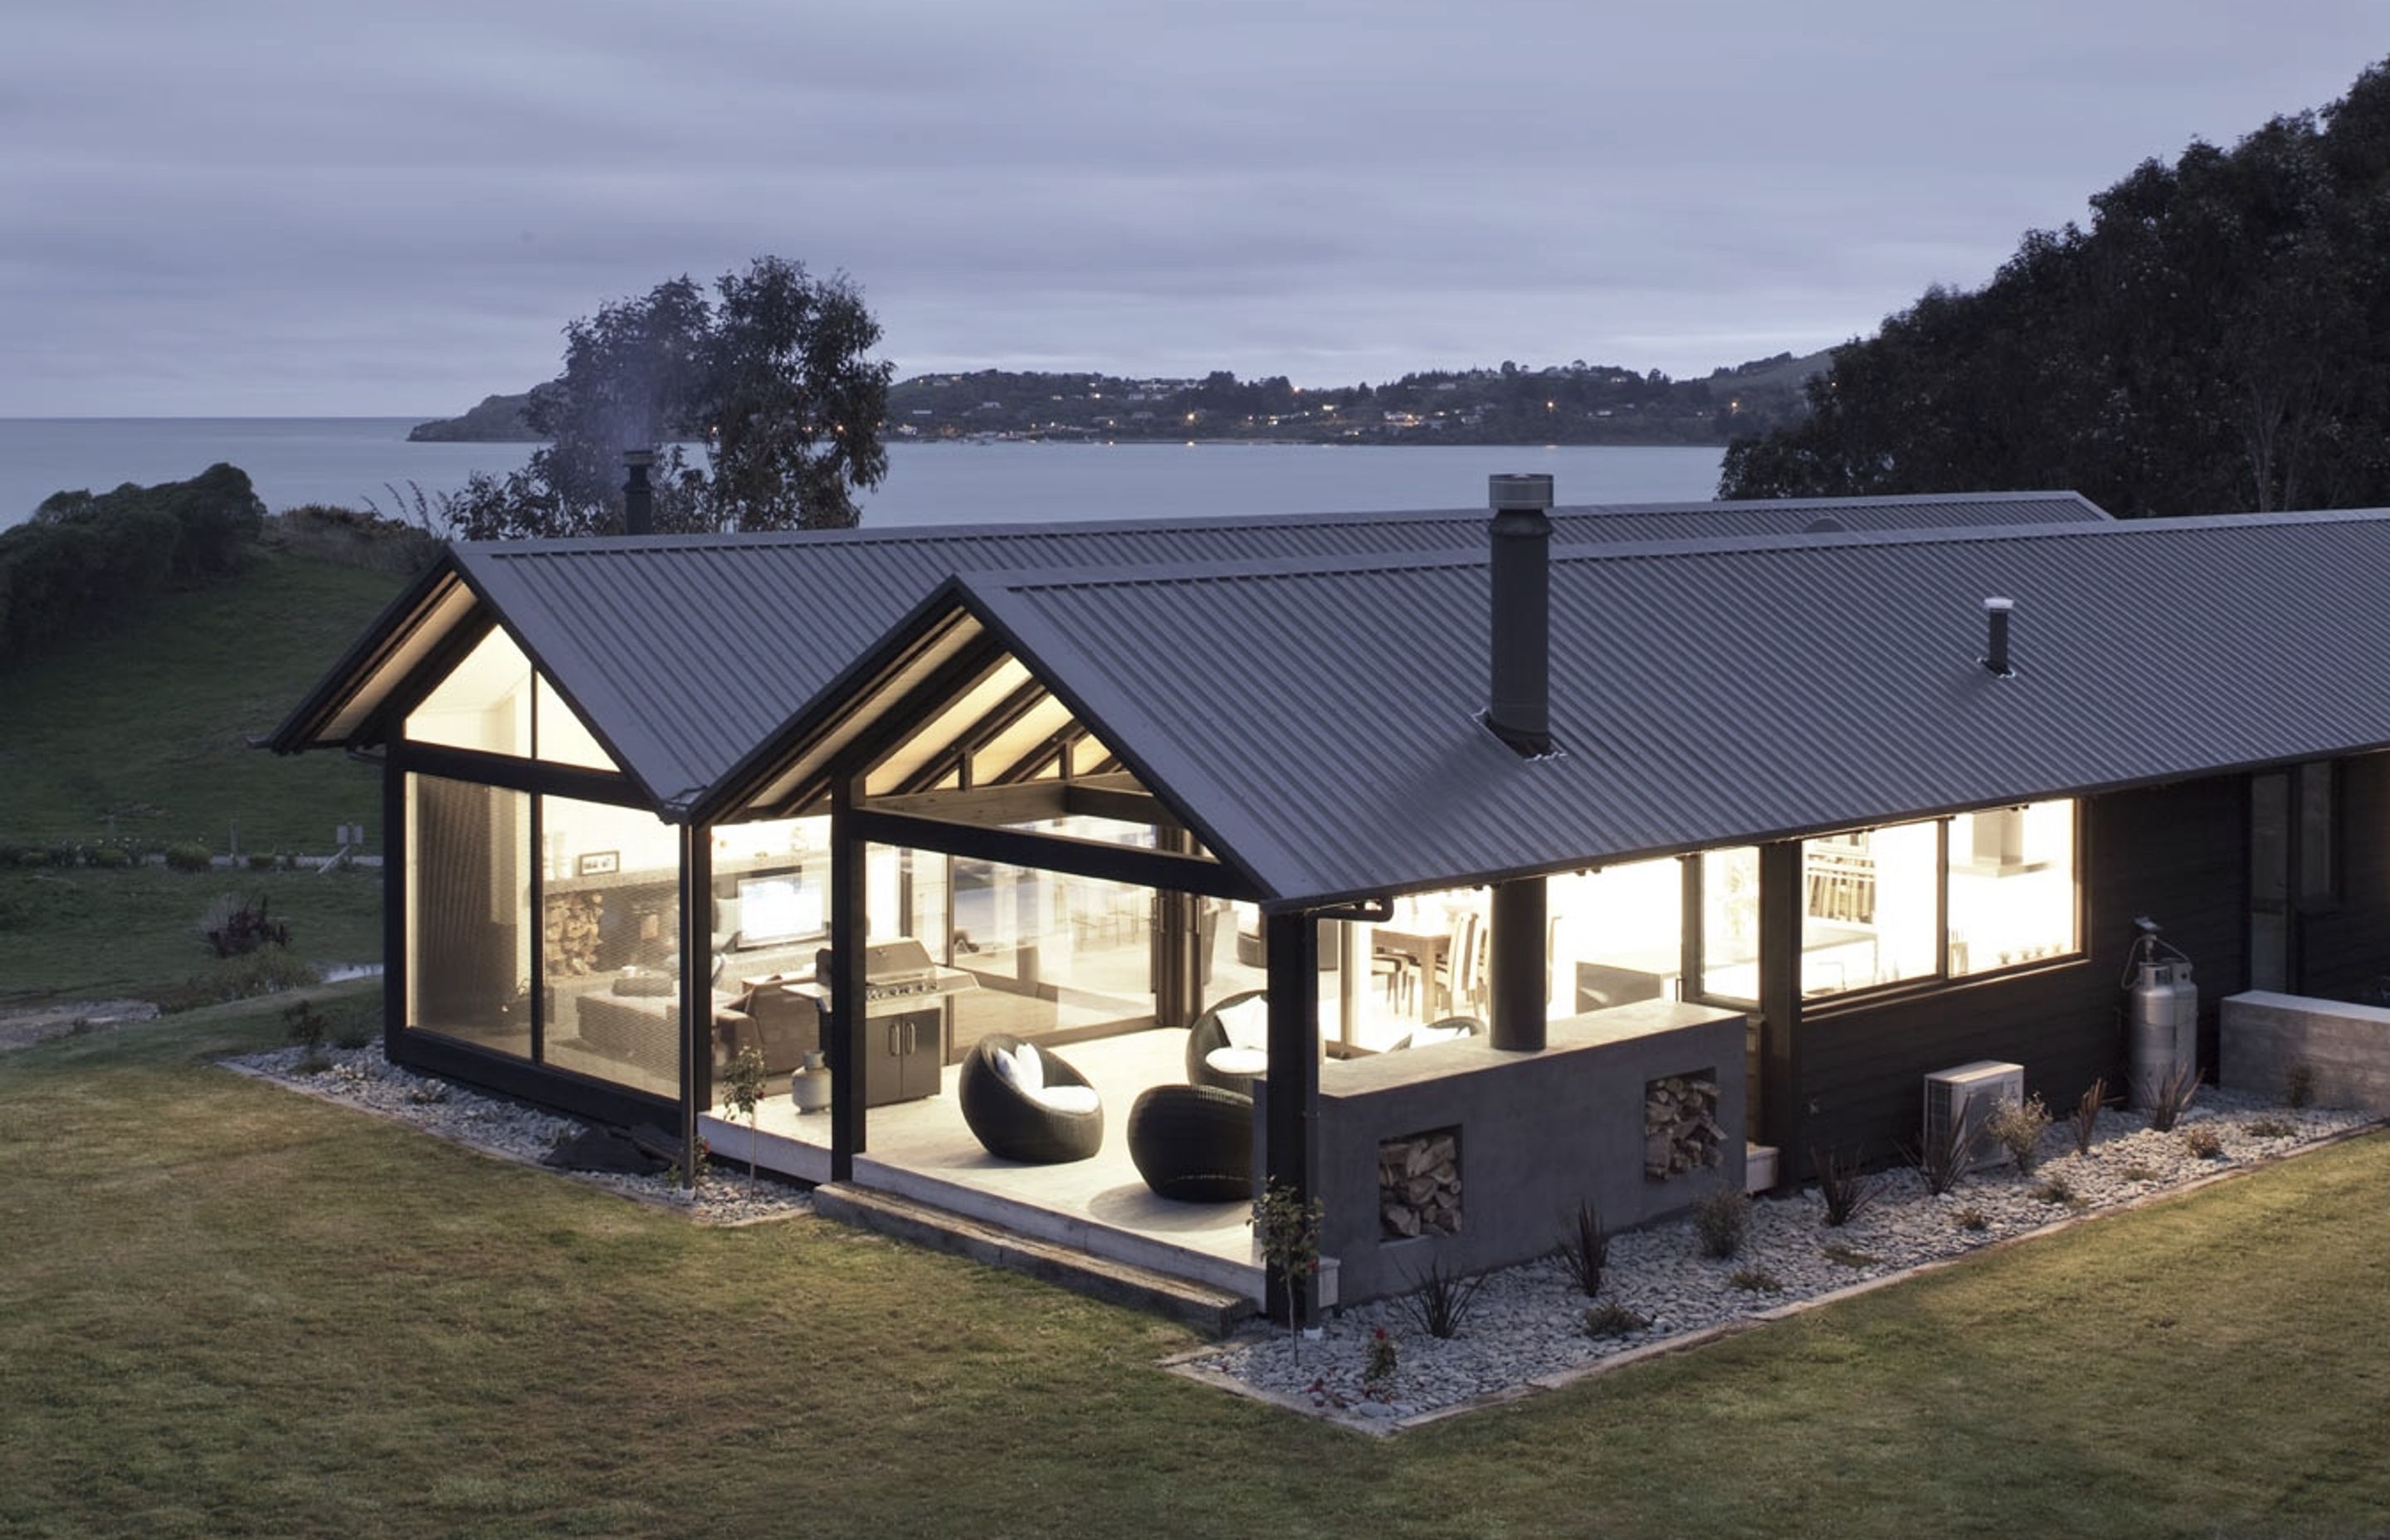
point(2217, 340)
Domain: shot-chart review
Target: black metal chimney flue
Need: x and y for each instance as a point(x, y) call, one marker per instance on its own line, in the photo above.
point(1996, 642)
point(639, 497)
point(1520, 708)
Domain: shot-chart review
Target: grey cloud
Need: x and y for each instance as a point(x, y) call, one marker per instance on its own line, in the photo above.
point(289, 207)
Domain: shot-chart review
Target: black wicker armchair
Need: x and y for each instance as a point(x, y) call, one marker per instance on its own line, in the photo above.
point(1210, 1036)
point(1040, 1110)
point(1194, 1144)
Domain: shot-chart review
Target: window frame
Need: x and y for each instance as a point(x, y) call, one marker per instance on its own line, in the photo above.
point(1943, 977)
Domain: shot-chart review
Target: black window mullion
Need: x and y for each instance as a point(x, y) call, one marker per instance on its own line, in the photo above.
point(537, 918)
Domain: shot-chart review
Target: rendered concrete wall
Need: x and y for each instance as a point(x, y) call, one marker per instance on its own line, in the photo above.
point(2346, 1047)
point(1539, 1133)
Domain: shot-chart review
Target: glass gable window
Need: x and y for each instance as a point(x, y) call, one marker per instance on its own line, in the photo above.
point(494, 702)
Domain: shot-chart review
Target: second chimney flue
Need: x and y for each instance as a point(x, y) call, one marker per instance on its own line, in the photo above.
point(1996, 640)
point(1520, 708)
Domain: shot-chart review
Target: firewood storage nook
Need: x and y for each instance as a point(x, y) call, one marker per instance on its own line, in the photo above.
point(1534, 1135)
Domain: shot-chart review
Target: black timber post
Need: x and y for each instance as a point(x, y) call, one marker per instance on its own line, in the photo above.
point(843, 1032)
point(1782, 1116)
point(1516, 967)
point(1177, 965)
point(394, 839)
point(1290, 1091)
point(695, 991)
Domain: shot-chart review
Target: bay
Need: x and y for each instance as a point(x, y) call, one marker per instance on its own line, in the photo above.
point(352, 461)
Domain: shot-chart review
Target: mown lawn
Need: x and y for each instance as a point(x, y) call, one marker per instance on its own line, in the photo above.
point(225, 1309)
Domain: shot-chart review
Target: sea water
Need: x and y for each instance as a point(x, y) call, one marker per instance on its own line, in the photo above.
point(357, 461)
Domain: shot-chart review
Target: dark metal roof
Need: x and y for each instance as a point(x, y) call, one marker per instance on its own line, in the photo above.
point(1319, 725)
point(685, 652)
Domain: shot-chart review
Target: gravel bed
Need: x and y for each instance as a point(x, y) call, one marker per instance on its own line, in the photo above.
point(361, 1077)
point(1527, 1323)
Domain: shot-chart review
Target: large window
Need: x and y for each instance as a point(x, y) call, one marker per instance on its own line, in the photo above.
point(1947, 898)
point(468, 927)
point(609, 913)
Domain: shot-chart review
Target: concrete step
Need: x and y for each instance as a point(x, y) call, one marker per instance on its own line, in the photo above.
point(1213, 1311)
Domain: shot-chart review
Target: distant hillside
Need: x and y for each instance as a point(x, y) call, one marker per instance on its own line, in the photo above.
point(1574, 403)
point(499, 419)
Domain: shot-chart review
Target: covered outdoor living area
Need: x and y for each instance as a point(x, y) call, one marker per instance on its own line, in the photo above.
point(1000, 891)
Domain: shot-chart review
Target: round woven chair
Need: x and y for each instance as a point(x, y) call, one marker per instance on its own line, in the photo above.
point(1046, 1116)
point(1209, 1035)
point(1194, 1144)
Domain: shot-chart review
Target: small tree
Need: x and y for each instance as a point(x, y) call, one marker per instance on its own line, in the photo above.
point(1287, 1229)
point(743, 1091)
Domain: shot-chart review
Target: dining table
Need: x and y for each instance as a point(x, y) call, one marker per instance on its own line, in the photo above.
point(1425, 950)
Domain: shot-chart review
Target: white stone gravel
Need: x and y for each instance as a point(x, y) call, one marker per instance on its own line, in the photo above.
point(1526, 1323)
point(361, 1077)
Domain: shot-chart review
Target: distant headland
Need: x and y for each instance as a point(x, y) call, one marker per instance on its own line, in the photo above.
point(1574, 403)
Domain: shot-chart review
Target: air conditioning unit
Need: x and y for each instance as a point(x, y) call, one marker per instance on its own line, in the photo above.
point(1962, 1098)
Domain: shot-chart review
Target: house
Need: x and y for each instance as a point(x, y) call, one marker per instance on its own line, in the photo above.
point(1448, 878)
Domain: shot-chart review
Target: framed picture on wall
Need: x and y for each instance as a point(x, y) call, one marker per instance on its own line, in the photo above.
point(599, 863)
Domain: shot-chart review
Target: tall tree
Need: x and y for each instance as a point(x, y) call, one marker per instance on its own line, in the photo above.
point(770, 380)
point(2218, 339)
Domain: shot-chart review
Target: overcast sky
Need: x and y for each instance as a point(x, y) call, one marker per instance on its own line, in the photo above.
point(240, 207)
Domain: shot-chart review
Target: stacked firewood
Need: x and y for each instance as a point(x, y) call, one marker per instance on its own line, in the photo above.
point(573, 923)
point(1419, 1185)
point(1681, 1126)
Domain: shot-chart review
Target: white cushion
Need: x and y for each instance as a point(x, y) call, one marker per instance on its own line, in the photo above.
point(1237, 1062)
point(1247, 1024)
point(1020, 1068)
point(1065, 1098)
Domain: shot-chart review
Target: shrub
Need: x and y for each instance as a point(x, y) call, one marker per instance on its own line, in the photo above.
point(2298, 1085)
point(2055, 1188)
point(259, 861)
point(1380, 1363)
point(236, 929)
point(189, 855)
point(111, 858)
point(1971, 1218)
point(1439, 1301)
point(2138, 1172)
point(1941, 1159)
point(1755, 1281)
point(2086, 1118)
point(2172, 1096)
point(2270, 1128)
point(2018, 1127)
point(2201, 1141)
point(1613, 1320)
point(268, 970)
point(1847, 1186)
point(1849, 1256)
point(1584, 1250)
point(1722, 1221)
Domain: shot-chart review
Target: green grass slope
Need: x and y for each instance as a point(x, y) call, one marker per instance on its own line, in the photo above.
point(140, 732)
point(237, 1311)
point(141, 729)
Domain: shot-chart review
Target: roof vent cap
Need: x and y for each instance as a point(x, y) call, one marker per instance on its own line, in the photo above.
point(1995, 637)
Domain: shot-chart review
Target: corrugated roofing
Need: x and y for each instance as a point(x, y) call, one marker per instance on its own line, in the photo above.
point(683, 653)
point(1319, 725)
